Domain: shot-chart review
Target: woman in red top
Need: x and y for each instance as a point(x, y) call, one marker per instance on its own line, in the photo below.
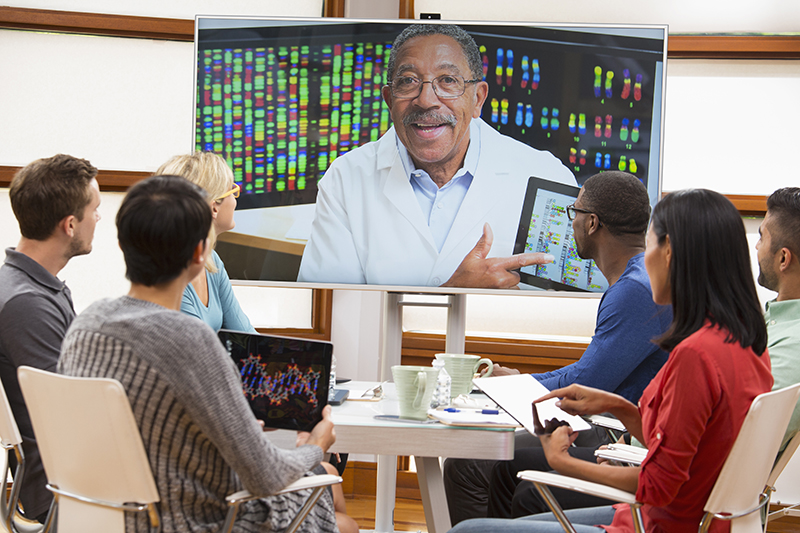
point(689, 416)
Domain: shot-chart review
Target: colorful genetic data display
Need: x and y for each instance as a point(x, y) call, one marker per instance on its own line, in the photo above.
point(544, 91)
point(280, 114)
point(550, 231)
point(281, 99)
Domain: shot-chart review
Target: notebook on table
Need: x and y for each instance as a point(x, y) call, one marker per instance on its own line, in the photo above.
point(284, 379)
point(516, 394)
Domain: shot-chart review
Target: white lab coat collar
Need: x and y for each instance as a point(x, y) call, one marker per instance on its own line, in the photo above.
point(486, 190)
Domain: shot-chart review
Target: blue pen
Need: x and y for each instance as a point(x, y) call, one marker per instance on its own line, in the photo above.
point(490, 412)
point(452, 410)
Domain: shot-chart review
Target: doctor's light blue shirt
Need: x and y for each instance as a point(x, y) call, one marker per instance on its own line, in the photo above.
point(440, 206)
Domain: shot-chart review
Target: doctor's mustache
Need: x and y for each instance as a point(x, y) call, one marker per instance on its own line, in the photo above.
point(429, 117)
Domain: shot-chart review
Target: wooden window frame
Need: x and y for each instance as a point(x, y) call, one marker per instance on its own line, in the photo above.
point(692, 46)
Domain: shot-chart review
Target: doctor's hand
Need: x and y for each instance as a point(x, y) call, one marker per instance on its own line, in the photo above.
point(476, 271)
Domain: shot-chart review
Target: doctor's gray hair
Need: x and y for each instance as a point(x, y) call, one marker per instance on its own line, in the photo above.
point(468, 46)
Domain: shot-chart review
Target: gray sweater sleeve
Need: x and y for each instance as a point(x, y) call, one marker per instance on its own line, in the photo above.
point(205, 381)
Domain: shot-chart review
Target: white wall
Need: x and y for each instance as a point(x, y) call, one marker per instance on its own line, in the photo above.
point(123, 104)
point(731, 125)
point(683, 16)
point(181, 9)
point(101, 274)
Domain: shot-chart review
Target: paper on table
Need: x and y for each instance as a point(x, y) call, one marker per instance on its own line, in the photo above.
point(363, 395)
point(516, 393)
point(473, 418)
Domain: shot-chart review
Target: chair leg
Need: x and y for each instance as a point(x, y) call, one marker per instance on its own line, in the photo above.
point(301, 515)
point(233, 510)
point(52, 515)
point(230, 518)
point(638, 521)
point(705, 523)
point(554, 506)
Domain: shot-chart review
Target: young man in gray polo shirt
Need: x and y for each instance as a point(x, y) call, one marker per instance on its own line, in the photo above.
point(55, 201)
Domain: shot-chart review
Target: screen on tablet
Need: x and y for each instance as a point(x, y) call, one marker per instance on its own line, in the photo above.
point(545, 227)
point(285, 380)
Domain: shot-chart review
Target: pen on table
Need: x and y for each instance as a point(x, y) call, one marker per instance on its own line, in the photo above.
point(483, 411)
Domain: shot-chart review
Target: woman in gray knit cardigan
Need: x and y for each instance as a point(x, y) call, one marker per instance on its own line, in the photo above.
point(201, 437)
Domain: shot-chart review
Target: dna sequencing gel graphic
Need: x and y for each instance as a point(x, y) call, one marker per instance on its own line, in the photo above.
point(254, 107)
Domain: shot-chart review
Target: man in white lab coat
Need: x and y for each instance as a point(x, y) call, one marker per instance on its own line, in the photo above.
point(410, 208)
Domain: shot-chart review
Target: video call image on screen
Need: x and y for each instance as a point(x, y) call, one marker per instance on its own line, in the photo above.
point(280, 100)
point(550, 232)
point(282, 379)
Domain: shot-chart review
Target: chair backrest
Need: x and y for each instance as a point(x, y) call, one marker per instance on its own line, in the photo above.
point(784, 459)
point(751, 459)
point(90, 446)
point(9, 432)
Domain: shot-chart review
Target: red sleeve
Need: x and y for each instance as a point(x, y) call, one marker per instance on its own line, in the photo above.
point(681, 409)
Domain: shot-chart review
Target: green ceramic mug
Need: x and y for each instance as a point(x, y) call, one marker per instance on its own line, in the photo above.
point(462, 368)
point(415, 386)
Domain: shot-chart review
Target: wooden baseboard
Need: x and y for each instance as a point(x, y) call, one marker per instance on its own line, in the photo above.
point(360, 479)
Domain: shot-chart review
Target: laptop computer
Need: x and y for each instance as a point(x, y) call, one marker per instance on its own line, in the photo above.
point(545, 227)
point(284, 379)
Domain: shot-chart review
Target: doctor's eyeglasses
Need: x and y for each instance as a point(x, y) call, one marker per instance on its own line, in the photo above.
point(446, 86)
point(235, 190)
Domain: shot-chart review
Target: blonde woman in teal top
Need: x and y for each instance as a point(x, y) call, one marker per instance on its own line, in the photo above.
point(210, 296)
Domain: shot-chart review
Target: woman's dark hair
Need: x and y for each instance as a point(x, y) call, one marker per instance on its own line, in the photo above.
point(710, 273)
point(159, 224)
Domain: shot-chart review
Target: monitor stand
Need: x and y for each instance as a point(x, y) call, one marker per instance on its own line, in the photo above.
point(390, 354)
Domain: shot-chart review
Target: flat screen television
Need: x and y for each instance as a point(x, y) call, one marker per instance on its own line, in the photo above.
point(281, 99)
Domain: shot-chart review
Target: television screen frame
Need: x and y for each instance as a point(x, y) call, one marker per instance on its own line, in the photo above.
point(298, 215)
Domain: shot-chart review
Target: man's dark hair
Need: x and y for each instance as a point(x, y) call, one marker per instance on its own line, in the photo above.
point(47, 190)
point(468, 46)
point(710, 273)
point(159, 224)
point(783, 207)
point(619, 200)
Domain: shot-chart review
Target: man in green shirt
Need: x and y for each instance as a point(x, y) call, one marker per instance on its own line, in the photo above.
point(779, 270)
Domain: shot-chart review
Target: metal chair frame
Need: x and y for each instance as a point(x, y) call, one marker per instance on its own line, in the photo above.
point(542, 479)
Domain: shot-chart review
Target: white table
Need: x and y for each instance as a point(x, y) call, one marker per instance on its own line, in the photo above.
point(357, 431)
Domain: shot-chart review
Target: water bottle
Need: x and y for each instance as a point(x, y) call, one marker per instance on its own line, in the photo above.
point(332, 382)
point(441, 396)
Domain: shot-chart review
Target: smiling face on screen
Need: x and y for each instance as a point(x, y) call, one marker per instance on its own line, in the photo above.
point(434, 130)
